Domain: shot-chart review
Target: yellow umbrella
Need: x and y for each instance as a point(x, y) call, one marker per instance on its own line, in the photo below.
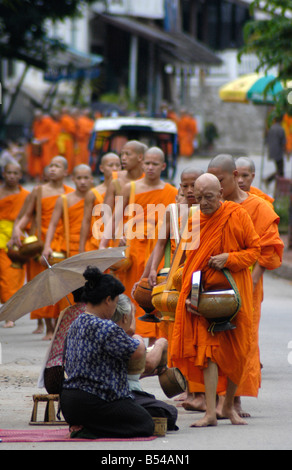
point(236, 91)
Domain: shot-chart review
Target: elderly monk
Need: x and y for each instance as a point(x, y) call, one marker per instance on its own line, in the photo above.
point(73, 204)
point(12, 198)
point(265, 222)
point(110, 164)
point(49, 193)
point(151, 197)
point(246, 173)
point(227, 240)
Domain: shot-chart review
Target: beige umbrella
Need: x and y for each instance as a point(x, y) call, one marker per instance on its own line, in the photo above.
point(56, 282)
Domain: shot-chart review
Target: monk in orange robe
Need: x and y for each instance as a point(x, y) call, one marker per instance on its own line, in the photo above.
point(12, 197)
point(141, 232)
point(227, 240)
point(74, 208)
point(110, 164)
point(186, 198)
point(66, 138)
point(287, 125)
point(187, 131)
point(246, 173)
point(265, 222)
point(44, 134)
point(84, 127)
point(49, 194)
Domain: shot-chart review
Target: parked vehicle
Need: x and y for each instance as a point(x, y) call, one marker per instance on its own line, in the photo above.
point(110, 135)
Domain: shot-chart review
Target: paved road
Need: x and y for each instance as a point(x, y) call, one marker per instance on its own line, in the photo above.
point(270, 426)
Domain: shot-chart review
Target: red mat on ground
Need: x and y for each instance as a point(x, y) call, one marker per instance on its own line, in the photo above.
point(53, 435)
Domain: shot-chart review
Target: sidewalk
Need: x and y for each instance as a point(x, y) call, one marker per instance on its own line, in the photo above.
point(285, 271)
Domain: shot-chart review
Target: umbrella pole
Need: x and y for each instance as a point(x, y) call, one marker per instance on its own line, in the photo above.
point(50, 267)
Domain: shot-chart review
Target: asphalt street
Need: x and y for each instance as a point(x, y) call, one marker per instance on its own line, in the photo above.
point(270, 425)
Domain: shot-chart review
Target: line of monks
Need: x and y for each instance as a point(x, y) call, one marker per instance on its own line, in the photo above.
point(238, 231)
point(65, 132)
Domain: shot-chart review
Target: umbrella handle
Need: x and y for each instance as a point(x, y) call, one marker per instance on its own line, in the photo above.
point(48, 264)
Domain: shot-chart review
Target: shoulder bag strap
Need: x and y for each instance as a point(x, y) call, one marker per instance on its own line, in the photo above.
point(66, 223)
point(39, 213)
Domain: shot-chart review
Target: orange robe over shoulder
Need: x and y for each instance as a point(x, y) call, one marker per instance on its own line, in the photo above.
point(42, 129)
point(187, 131)
point(11, 279)
point(228, 230)
point(48, 205)
point(265, 222)
point(259, 193)
point(75, 216)
point(84, 126)
point(141, 248)
point(287, 125)
point(66, 139)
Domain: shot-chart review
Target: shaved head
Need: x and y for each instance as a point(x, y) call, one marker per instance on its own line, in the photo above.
point(191, 171)
point(82, 167)
point(62, 160)
point(155, 151)
point(138, 147)
point(223, 162)
point(207, 180)
point(245, 162)
point(208, 193)
point(107, 156)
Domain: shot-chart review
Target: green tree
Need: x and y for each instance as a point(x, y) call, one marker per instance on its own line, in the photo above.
point(271, 39)
point(23, 24)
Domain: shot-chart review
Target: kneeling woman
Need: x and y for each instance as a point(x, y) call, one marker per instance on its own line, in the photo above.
point(95, 393)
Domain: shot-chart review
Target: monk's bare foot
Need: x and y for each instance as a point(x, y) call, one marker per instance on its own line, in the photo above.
point(233, 416)
point(47, 337)
point(39, 329)
point(196, 403)
point(208, 420)
point(239, 410)
point(8, 324)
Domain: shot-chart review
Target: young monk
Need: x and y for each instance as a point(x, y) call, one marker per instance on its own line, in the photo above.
point(109, 165)
point(149, 192)
point(49, 193)
point(12, 198)
point(227, 239)
point(132, 155)
point(246, 173)
point(83, 179)
point(187, 187)
point(265, 222)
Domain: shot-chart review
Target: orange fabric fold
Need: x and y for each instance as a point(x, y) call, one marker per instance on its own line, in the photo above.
point(141, 248)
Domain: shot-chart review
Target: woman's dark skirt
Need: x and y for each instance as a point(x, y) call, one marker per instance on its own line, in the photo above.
point(121, 418)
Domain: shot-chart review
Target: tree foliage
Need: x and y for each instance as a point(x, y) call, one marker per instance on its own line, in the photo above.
point(23, 23)
point(271, 40)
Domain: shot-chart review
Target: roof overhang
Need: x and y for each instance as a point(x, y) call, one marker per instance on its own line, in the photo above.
point(180, 46)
